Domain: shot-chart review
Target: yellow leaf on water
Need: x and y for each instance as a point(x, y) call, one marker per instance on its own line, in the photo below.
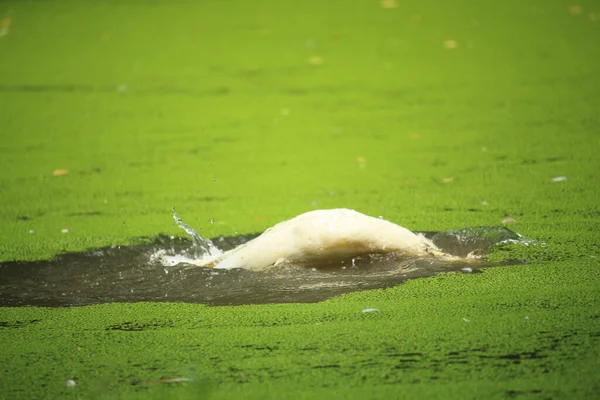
point(389, 4)
point(60, 172)
point(315, 60)
point(450, 44)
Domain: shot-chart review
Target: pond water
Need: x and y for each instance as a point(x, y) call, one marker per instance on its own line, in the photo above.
point(140, 273)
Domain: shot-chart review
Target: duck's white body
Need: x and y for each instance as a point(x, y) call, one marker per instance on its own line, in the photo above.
point(321, 236)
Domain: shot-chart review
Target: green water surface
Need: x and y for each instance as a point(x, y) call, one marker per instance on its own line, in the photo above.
point(437, 115)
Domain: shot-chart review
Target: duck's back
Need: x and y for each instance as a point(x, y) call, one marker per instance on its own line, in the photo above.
point(323, 235)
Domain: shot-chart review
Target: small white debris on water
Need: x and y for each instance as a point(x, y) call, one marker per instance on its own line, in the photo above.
point(71, 383)
point(172, 237)
point(467, 269)
point(313, 269)
point(484, 203)
point(526, 317)
point(370, 310)
point(214, 179)
point(168, 380)
point(31, 231)
point(559, 179)
point(466, 320)
point(508, 220)
point(212, 220)
point(380, 217)
point(66, 230)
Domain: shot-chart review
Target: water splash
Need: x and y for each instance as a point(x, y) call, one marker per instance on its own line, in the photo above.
point(477, 240)
point(203, 247)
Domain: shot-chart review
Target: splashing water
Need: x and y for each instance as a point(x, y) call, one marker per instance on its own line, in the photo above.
point(203, 247)
point(162, 271)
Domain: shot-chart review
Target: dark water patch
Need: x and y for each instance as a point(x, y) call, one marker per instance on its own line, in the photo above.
point(17, 324)
point(525, 393)
point(135, 273)
point(137, 326)
point(114, 89)
point(85, 214)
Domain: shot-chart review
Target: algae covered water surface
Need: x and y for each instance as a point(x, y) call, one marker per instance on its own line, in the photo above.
point(436, 115)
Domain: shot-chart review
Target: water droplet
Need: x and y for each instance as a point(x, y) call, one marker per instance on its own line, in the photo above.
point(71, 383)
point(66, 230)
point(31, 231)
point(466, 320)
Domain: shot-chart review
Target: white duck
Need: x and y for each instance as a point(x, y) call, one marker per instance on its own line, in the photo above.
point(323, 236)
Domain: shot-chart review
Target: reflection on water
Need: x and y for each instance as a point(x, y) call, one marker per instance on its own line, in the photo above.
point(131, 274)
